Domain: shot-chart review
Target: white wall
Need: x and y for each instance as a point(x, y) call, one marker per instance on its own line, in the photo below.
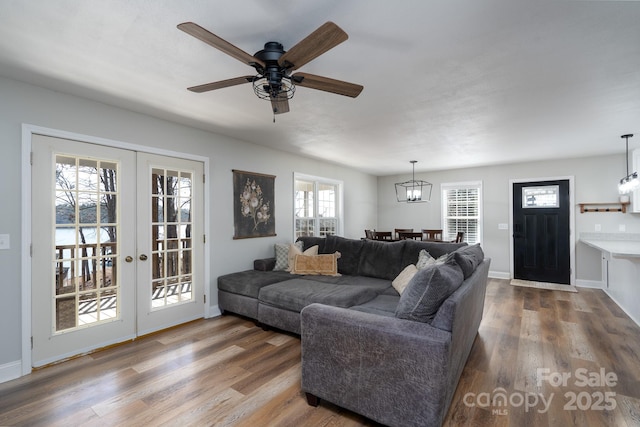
point(22, 103)
point(596, 180)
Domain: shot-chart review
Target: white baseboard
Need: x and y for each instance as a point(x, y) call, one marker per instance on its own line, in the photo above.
point(214, 311)
point(10, 371)
point(596, 284)
point(622, 308)
point(499, 275)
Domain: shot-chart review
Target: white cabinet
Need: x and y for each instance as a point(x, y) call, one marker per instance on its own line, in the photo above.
point(635, 195)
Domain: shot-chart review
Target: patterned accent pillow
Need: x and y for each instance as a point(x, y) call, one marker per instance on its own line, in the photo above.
point(326, 264)
point(282, 255)
point(403, 279)
point(425, 259)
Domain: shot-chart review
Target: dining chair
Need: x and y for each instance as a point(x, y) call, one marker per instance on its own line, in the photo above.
point(369, 234)
point(402, 230)
point(410, 235)
point(432, 234)
point(382, 235)
point(459, 237)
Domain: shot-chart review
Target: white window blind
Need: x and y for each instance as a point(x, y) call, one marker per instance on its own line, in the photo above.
point(461, 211)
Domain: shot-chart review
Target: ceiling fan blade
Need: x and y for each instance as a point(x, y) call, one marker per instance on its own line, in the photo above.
point(326, 84)
point(222, 83)
point(327, 36)
point(280, 104)
point(211, 39)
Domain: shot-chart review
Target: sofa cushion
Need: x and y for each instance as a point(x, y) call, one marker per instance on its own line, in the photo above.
point(308, 241)
point(468, 258)
point(382, 259)
point(295, 294)
point(350, 250)
point(429, 287)
point(384, 305)
point(326, 264)
point(402, 280)
point(248, 283)
point(378, 285)
point(436, 249)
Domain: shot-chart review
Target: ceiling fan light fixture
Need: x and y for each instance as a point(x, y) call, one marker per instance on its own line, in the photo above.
point(413, 190)
point(630, 182)
point(265, 89)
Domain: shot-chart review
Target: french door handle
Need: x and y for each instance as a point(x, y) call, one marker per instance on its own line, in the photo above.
point(128, 259)
point(143, 257)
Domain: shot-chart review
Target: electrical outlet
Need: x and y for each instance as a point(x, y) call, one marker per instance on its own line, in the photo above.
point(598, 227)
point(622, 227)
point(5, 242)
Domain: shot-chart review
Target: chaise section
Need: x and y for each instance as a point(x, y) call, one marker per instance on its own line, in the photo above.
point(280, 303)
point(238, 292)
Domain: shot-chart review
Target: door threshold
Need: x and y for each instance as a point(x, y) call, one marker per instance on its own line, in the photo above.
point(543, 285)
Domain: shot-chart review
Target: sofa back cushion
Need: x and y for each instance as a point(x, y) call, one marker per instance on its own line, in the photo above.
point(468, 258)
point(349, 249)
point(382, 259)
point(308, 241)
point(436, 249)
point(427, 290)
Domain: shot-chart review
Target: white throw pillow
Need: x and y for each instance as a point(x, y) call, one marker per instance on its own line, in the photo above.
point(403, 279)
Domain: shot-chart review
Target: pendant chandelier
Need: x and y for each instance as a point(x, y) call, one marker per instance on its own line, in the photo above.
point(630, 182)
point(413, 191)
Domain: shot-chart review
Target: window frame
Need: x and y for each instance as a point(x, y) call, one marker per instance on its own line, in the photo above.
point(444, 188)
point(317, 180)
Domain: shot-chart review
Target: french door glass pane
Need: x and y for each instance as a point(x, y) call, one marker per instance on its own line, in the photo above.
point(171, 244)
point(85, 258)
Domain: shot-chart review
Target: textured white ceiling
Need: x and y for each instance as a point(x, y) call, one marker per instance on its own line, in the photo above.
point(450, 83)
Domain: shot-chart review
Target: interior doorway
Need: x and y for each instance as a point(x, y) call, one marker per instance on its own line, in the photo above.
point(542, 221)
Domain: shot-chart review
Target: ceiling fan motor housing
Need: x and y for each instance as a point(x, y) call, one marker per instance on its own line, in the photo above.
point(272, 71)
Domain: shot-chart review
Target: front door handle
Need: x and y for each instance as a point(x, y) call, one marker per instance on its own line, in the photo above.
point(143, 257)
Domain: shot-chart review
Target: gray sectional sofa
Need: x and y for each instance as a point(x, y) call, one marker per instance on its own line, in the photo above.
point(393, 358)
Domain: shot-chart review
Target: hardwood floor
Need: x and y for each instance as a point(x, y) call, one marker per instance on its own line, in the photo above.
point(227, 371)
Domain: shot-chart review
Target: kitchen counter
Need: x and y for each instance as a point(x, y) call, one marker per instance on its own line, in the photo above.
point(615, 248)
point(621, 268)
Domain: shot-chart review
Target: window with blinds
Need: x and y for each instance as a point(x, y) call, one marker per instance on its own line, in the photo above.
point(316, 206)
point(461, 211)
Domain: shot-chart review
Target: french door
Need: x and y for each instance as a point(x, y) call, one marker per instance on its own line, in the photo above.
point(117, 245)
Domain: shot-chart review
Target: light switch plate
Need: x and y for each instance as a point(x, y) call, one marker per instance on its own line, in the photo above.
point(5, 242)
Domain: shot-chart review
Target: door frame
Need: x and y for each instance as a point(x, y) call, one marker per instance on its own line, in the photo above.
point(28, 130)
point(572, 222)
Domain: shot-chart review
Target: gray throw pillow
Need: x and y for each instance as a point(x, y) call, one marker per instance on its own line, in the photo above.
point(468, 258)
point(427, 290)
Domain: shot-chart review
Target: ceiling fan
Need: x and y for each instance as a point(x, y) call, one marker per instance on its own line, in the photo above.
point(274, 65)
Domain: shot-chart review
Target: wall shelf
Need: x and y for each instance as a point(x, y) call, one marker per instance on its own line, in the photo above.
point(603, 207)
